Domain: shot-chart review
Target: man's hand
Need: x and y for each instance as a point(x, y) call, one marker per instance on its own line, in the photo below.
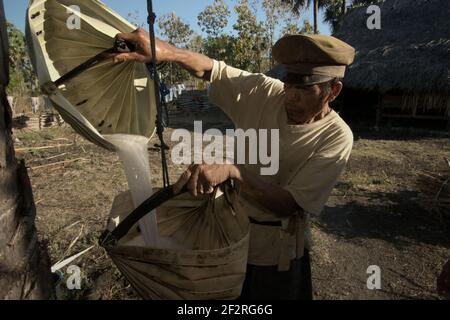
point(201, 179)
point(141, 40)
point(197, 64)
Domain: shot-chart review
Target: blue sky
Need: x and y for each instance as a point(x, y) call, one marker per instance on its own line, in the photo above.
point(187, 10)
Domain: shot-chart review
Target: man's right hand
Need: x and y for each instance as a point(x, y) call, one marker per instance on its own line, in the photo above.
point(197, 64)
point(141, 40)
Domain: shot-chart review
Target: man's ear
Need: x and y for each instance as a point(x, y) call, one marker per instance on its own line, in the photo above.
point(335, 90)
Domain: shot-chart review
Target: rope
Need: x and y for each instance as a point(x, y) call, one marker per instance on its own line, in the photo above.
point(159, 103)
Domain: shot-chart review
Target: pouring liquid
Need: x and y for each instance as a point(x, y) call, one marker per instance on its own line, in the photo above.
point(132, 151)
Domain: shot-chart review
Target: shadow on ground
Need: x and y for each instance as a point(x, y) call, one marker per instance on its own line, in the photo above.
point(393, 217)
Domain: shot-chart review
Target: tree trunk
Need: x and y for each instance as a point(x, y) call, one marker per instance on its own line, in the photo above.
point(344, 7)
point(316, 16)
point(24, 263)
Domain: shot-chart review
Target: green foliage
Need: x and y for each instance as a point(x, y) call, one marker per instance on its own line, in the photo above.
point(293, 28)
point(359, 3)
point(335, 9)
point(174, 29)
point(214, 18)
point(221, 48)
point(179, 34)
point(275, 11)
point(307, 28)
point(252, 42)
point(290, 28)
point(196, 43)
point(299, 5)
point(249, 48)
point(22, 77)
point(333, 13)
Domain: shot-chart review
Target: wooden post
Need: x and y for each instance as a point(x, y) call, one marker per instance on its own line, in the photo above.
point(25, 264)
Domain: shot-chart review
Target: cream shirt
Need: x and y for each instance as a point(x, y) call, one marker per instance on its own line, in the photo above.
point(311, 159)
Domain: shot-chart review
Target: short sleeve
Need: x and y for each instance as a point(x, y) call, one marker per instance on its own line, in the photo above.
point(312, 185)
point(239, 92)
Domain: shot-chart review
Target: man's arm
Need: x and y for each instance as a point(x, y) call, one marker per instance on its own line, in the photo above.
point(200, 179)
point(197, 64)
point(272, 197)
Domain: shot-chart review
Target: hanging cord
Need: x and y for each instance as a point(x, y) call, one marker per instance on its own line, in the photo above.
point(164, 91)
point(154, 72)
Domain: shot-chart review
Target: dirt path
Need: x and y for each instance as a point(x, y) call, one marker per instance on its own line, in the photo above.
point(374, 218)
point(352, 237)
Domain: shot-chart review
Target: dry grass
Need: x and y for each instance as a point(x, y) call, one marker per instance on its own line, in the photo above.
point(435, 191)
point(73, 198)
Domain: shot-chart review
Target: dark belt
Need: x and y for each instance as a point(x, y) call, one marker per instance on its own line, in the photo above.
point(265, 223)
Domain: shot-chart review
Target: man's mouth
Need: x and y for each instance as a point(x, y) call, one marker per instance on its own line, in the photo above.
point(291, 109)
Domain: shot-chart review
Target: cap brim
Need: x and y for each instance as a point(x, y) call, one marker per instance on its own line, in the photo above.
point(305, 80)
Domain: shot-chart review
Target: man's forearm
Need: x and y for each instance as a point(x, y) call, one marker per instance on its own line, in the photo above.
point(197, 64)
point(274, 198)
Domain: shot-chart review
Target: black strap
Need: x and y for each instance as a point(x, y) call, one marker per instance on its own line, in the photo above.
point(157, 199)
point(110, 238)
point(84, 66)
point(265, 223)
point(120, 46)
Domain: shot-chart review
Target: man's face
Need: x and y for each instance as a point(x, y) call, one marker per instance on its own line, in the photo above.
point(302, 101)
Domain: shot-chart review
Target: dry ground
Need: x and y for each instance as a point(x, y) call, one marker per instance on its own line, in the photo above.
point(372, 218)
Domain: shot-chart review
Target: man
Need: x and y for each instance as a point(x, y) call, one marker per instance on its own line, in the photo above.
point(315, 144)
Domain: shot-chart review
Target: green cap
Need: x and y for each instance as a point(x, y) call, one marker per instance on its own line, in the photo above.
point(310, 59)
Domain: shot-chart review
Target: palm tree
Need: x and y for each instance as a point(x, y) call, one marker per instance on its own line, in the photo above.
point(334, 9)
point(298, 5)
point(24, 263)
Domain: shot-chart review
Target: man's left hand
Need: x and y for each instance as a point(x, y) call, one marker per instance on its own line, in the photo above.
point(202, 178)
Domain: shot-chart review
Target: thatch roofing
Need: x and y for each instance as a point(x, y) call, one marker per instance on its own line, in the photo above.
point(411, 52)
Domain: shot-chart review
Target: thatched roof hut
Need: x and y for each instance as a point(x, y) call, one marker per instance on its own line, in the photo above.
point(410, 52)
point(407, 61)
